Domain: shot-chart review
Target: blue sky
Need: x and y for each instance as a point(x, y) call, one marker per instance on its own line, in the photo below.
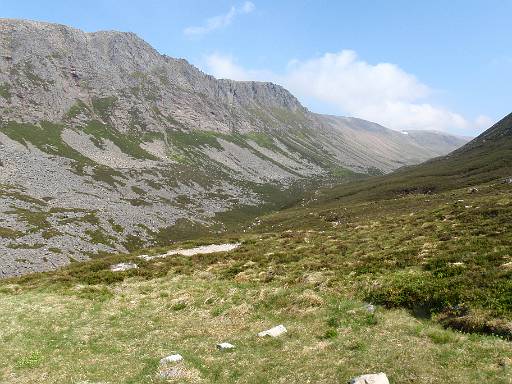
point(443, 65)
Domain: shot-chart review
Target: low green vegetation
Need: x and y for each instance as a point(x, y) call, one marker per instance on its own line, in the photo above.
point(486, 159)
point(37, 220)
point(46, 137)
point(428, 247)
point(77, 109)
point(9, 233)
point(16, 193)
point(264, 140)
point(129, 144)
point(98, 236)
point(184, 139)
point(103, 106)
point(5, 91)
point(436, 266)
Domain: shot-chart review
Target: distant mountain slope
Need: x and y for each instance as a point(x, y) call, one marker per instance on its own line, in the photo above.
point(488, 157)
point(437, 142)
point(366, 143)
point(107, 146)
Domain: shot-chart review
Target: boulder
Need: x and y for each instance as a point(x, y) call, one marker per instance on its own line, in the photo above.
point(276, 331)
point(171, 359)
point(123, 267)
point(225, 346)
point(374, 378)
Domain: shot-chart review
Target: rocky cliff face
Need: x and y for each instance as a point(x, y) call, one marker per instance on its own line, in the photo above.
point(46, 68)
point(108, 146)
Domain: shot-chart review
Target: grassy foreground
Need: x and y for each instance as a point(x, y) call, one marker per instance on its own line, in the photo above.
point(445, 258)
point(118, 334)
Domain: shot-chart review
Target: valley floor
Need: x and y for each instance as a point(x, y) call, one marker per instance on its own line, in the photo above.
point(443, 256)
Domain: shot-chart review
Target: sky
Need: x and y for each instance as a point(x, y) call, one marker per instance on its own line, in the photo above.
point(442, 65)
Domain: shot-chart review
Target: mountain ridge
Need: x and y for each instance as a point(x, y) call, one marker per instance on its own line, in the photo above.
point(109, 146)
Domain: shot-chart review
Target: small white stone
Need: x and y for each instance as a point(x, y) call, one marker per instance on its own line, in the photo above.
point(374, 378)
point(225, 346)
point(370, 308)
point(123, 267)
point(171, 359)
point(273, 332)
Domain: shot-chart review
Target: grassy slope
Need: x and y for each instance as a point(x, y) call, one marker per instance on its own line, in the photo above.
point(432, 243)
point(84, 322)
point(443, 255)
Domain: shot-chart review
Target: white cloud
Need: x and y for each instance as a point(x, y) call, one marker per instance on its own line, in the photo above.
point(222, 66)
point(381, 92)
point(220, 21)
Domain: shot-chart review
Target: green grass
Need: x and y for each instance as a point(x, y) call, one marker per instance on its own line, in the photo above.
point(9, 233)
point(17, 193)
point(104, 106)
point(433, 255)
point(85, 323)
point(77, 109)
point(264, 140)
point(428, 253)
point(485, 159)
point(98, 236)
point(5, 91)
point(129, 144)
point(46, 137)
point(36, 219)
point(183, 139)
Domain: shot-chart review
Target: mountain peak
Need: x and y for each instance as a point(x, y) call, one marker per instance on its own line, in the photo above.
point(48, 67)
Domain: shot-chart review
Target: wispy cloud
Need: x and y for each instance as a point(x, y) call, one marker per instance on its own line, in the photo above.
point(381, 92)
point(220, 21)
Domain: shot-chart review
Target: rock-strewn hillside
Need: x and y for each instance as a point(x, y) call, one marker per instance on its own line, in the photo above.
point(106, 146)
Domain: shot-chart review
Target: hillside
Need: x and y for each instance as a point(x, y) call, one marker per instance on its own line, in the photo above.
point(432, 238)
point(361, 284)
point(108, 146)
point(488, 157)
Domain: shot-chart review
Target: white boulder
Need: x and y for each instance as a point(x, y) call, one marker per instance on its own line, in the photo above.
point(374, 378)
point(171, 359)
point(225, 346)
point(123, 267)
point(370, 308)
point(276, 331)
